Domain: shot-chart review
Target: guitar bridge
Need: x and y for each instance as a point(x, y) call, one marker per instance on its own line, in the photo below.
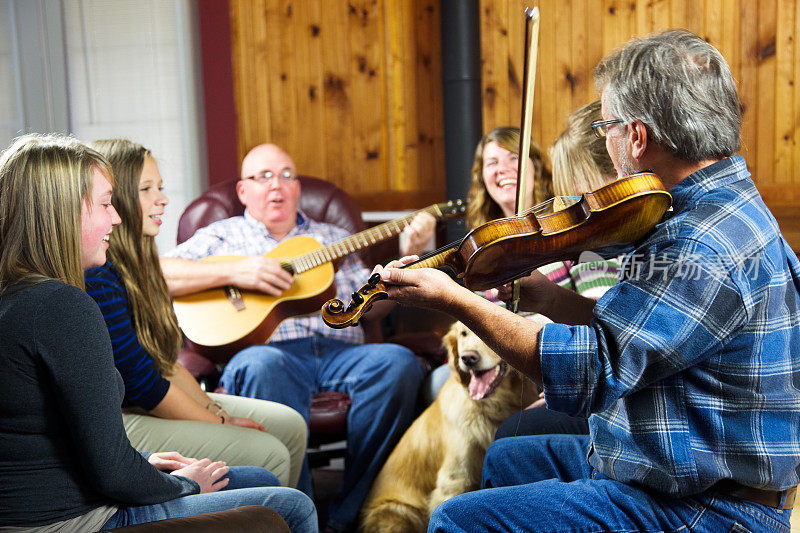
point(234, 296)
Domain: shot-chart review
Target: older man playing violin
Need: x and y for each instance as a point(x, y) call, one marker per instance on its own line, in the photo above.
point(690, 363)
point(302, 356)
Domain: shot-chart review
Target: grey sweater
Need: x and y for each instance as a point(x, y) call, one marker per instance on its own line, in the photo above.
point(63, 448)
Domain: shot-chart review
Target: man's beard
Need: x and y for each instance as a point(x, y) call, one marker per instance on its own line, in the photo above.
point(625, 162)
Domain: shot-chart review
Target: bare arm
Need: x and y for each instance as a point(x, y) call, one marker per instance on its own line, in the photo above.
point(183, 379)
point(185, 400)
point(260, 273)
point(178, 405)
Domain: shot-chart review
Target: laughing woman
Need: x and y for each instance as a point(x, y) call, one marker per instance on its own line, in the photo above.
point(164, 405)
point(65, 461)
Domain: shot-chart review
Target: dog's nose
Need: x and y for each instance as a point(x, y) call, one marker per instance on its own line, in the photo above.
point(470, 359)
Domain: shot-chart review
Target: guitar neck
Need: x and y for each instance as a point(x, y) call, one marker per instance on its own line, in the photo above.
point(356, 242)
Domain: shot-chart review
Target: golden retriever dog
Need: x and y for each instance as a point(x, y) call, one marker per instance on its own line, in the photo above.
point(441, 454)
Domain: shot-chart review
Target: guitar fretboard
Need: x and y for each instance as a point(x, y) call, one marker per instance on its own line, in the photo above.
point(356, 242)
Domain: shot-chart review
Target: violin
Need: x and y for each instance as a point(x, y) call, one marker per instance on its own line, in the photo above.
point(506, 249)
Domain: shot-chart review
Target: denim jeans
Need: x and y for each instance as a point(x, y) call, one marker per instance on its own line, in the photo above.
point(544, 483)
point(248, 485)
point(381, 379)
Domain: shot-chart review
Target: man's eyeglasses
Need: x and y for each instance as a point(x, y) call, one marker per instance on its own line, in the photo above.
point(600, 127)
point(265, 176)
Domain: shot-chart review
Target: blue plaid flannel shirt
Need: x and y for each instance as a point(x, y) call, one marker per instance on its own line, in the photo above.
point(691, 365)
point(246, 236)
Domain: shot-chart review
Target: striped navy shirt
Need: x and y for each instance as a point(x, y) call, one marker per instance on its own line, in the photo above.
point(145, 387)
point(692, 362)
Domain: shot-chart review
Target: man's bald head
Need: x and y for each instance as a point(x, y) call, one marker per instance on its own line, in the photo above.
point(265, 157)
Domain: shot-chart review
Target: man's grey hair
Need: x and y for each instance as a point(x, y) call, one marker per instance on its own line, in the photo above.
point(680, 87)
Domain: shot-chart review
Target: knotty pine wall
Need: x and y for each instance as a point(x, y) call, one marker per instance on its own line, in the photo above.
point(353, 88)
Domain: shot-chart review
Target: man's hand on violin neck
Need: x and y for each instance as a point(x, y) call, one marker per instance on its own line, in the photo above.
point(421, 287)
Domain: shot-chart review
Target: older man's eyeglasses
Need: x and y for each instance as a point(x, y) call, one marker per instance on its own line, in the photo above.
point(600, 127)
point(265, 176)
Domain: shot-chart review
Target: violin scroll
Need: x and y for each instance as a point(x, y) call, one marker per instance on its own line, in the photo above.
point(336, 316)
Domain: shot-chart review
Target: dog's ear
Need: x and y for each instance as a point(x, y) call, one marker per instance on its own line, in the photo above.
point(450, 341)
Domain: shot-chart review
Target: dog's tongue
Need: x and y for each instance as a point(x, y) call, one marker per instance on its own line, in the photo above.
point(480, 383)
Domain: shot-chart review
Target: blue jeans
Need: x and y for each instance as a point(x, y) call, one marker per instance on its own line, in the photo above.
point(381, 379)
point(544, 483)
point(248, 485)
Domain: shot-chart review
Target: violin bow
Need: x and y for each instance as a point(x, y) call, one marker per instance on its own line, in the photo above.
point(529, 81)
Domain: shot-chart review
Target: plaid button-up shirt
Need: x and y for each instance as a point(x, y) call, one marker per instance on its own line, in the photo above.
point(692, 362)
point(246, 236)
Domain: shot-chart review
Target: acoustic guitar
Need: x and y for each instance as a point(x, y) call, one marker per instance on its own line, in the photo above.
point(227, 319)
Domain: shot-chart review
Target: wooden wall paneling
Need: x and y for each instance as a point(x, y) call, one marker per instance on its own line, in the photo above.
point(546, 93)
point(712, 25)
point(338, 110)
point(748, 78)
point(430, 175)
point(730, 36)
point(351, 89)
point(395, 79)
point(282, 33)
point(644, 17)
point(661, 16)
point(765, 93)
point(406, 143)
point(618, 23)
point(586, 52)
point(365, 36)
point(562, 41)
point(246, 90)
point(495, 65)
point(309, 83)
point(595, 38)
point(784, 96)
point(575, 69)
point(795, 110)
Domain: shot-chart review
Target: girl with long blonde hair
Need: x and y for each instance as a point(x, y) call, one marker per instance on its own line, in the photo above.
point(163, 402)
point(67, 462)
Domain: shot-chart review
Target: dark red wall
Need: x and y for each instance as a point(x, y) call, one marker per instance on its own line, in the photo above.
point(217, 75)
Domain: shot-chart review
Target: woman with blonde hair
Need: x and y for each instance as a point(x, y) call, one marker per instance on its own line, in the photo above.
point(67, 462)
point(580, 160)
point(164, 404)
